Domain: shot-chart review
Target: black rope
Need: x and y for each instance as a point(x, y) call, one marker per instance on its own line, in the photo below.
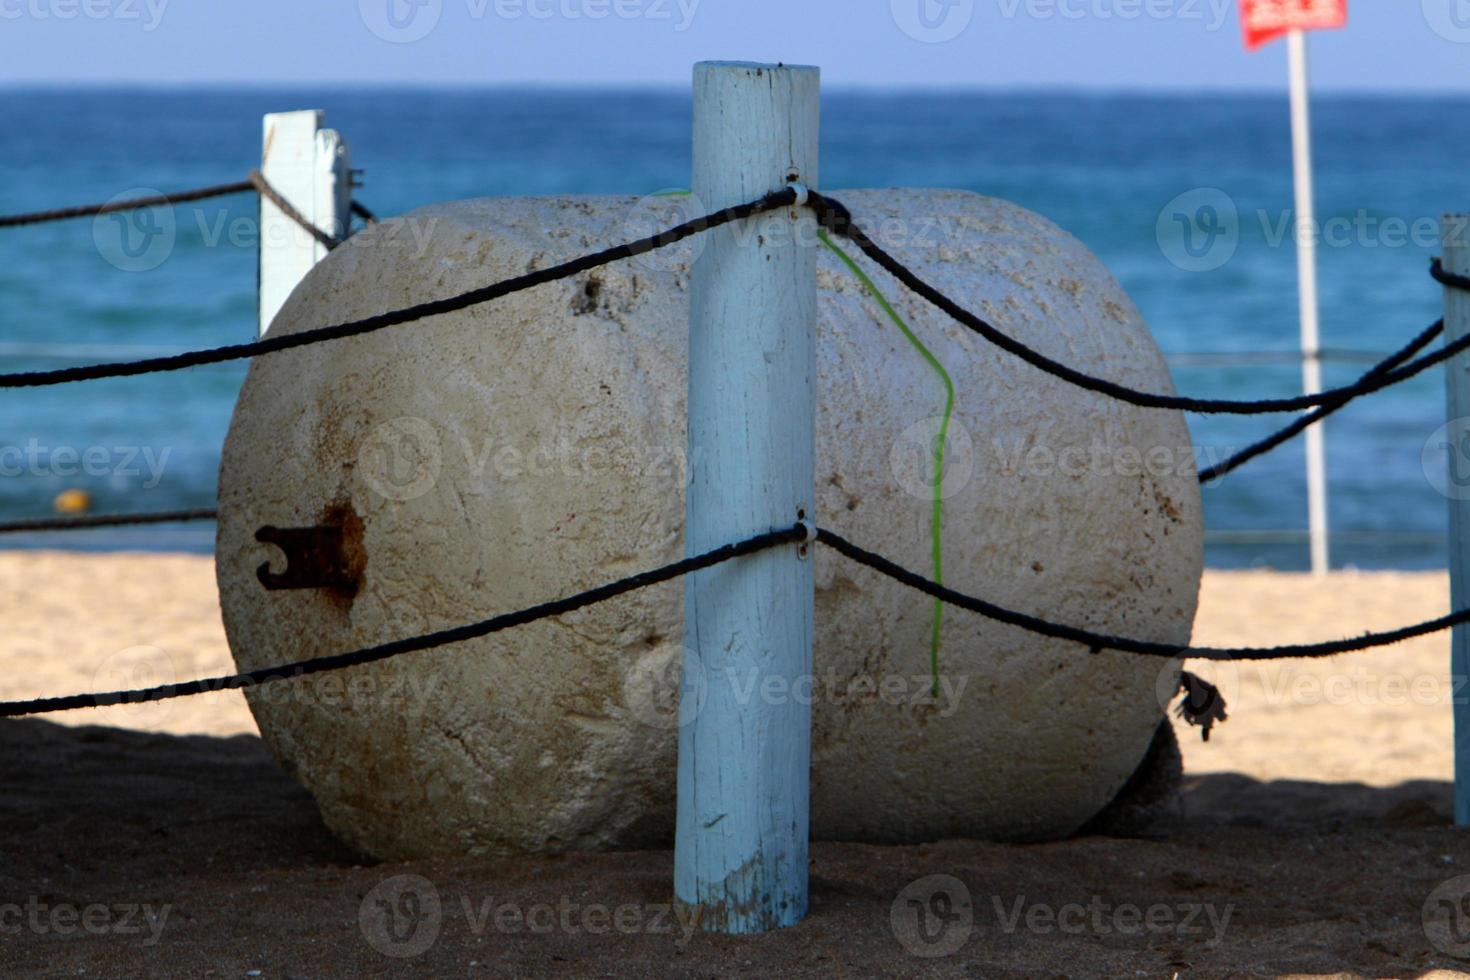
point(263, 186)
point(1437, 271)
point(396, 648)
point(105, 520)
point(161, 200)
point(835, 216)
point(362, 212)
point(1097, 642)
point(1316, 415)
point(254, 181)
point(270, 345)
point(1452, 279)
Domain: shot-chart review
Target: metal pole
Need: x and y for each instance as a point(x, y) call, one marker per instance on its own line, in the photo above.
point(740, 861)
point(311, 168)
point(1455, 235)
point(1301, 142)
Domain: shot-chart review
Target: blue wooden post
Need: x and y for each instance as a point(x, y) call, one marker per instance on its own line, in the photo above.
point(740, 863)
point(1456, 254)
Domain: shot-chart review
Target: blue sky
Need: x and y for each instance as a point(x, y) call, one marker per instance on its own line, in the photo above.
point(1180, 45)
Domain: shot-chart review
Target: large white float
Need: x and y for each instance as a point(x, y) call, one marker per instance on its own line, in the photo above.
point(527, 448)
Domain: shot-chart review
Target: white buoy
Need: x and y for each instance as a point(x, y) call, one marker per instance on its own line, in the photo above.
point(486, 460)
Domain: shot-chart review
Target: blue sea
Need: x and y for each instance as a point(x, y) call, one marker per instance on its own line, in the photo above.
point(1186, 198)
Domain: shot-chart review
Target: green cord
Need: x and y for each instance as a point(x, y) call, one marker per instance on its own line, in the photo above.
point(936, 519)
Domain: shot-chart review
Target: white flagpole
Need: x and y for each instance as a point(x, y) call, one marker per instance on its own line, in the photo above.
point(1301, 142)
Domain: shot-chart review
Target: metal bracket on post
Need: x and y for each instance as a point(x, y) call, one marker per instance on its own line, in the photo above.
point(1455, 238)
point(311, 168)
point(740, 860)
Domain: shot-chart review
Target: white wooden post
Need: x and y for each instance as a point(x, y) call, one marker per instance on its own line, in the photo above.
point(311, 168)
point(740, 863)
point(1306, 245)
point(1456, 257)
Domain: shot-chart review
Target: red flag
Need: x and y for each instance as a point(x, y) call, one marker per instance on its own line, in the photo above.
point(1266, 20)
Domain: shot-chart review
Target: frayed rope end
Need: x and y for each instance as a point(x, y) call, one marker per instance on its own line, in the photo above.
point(1203, 704)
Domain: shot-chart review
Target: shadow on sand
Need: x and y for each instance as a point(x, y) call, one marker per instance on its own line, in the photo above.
point(1283, 877)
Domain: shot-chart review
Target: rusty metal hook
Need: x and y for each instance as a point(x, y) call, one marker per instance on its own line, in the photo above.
point(314, 559)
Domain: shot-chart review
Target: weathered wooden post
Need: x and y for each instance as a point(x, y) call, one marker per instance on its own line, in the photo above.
point(1455, 238)
point(312, 169)
point(740, 861)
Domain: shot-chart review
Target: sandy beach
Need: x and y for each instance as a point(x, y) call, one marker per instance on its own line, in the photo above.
point(1317, 838)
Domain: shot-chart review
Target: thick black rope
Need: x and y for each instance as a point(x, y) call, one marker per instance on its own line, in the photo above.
point(1097, 642)
point(105, 520)
point(271, 194)
point(396, 648)
point(1437, 271)
point(270, 345)
point(254, 181)
point(161, 200)
point(1287, 433)
point(1444, 277)
point(362, 212)
point(835, 216)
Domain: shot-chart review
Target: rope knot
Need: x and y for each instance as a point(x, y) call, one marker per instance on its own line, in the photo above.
point(832, 214)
